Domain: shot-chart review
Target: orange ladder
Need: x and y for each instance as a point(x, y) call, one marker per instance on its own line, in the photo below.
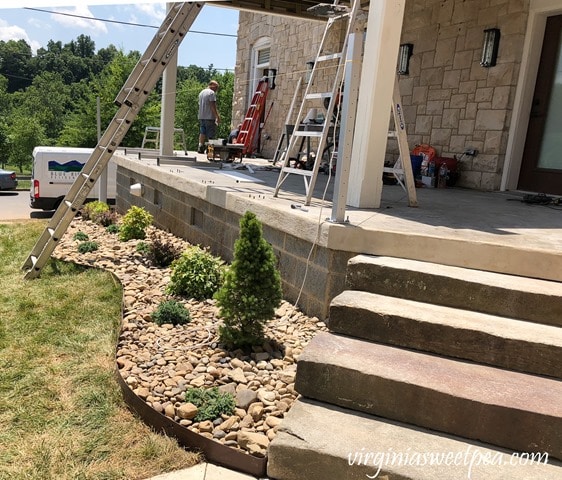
point(251, 123)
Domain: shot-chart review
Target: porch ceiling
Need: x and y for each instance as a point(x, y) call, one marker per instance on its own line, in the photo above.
point(281, 7)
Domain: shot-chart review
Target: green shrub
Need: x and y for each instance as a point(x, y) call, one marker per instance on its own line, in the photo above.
point(196, 274)
point(171, 311)
point(81, 236)
point(162, 252)
point(134, 224)
point(86, 247)
point(143, 247)
point(93, 210)
point(113, 228)
point(251, 289)
point(212, 403)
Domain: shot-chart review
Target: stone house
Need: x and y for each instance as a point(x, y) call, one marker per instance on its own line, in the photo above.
point(450, 100)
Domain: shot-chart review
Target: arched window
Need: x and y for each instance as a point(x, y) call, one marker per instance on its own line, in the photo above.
point(261, 52)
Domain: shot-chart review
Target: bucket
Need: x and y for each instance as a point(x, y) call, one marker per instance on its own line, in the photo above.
point(416, 164)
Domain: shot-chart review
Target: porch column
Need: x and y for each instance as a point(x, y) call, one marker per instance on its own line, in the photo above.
point(384, 27)
point(168, 112)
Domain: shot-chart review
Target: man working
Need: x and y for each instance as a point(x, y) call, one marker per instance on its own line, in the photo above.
point(208, 116)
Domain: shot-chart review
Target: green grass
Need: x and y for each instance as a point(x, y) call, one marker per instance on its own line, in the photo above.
point(61, 412)
point(24, 184)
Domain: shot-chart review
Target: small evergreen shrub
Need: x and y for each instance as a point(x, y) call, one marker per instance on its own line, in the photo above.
point(93, 210)
point(134, 224)
point(162, 252)
point(196, 274)
point(81, 236)
point(171, 311)
point(113, 228)
point(86, 247)
point(252, 287)
point(143, 248)
point(212, 403)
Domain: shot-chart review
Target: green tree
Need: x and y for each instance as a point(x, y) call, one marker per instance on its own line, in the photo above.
point(252, 287)
point(24, 134)
point(15, 56)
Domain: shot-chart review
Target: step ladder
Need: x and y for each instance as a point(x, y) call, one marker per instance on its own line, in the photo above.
point(402, 169)
point(152, 135)
point(130, 99)
point(336, 13)
point(283, 142)
point(251, 123)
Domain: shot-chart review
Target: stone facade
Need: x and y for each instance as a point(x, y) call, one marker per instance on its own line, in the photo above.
point(449, 100)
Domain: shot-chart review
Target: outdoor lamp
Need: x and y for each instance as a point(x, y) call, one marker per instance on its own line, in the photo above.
point(490, 48)
point(271, 74)
point(309, 67)
point(404, 54)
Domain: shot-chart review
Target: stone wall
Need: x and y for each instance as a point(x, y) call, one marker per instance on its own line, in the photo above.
point(188, 211)
point(449, 100)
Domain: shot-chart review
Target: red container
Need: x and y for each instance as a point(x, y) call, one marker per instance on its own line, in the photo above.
point(452, 166)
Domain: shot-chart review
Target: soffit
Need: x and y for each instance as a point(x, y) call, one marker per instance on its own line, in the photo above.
point(281, 7)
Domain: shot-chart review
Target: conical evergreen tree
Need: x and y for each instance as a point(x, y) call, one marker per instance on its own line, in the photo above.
point(252, 287)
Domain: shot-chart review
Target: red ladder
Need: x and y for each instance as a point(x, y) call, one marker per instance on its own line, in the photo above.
point(251, 123)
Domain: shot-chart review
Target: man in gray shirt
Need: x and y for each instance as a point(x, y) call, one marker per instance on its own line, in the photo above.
point(208, 116)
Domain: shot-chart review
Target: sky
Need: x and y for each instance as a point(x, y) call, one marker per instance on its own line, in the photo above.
point(202, 49)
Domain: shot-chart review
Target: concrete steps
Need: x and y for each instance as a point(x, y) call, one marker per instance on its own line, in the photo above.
point(510, 296)
point(510, 409)
point(492, 340)
point(424, 358)
point(317, 441)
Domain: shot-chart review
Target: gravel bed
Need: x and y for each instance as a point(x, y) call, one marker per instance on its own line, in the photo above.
point(159, 363)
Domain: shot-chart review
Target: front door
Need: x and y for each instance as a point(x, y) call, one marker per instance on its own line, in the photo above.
point(541, 169)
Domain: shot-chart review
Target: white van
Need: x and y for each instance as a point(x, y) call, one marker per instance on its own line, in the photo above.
point(54, 171)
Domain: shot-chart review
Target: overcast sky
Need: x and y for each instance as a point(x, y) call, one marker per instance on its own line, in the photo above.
point(202, 49)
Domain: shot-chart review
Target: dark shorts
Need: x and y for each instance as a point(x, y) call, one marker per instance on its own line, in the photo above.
point(208, 128)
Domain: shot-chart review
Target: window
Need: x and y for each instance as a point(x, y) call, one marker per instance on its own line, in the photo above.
point(261, 53)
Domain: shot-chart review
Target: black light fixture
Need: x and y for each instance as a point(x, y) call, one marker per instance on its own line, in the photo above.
point(404, 54)
point(271, 73)
point(490, 48)
point(308, 74)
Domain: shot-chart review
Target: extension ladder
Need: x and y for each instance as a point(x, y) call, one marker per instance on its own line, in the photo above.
point(320, 132)
point(130, 99)
point(251, 123)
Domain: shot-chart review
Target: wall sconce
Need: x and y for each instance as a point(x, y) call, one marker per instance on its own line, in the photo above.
point(404, 54)
point(490, 48)
point(271, 74)
point(308, 74)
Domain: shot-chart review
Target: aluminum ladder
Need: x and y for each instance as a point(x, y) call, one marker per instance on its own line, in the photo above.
point(336, 13)
point(130, 99)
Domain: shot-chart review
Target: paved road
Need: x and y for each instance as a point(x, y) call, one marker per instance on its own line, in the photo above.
point(15, 206)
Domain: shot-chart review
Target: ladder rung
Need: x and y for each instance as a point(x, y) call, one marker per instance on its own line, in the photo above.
point(319, 95)
point(331, 56)
point(307, 133)
point(393, 170)
point(298, 171)
point(392, 134)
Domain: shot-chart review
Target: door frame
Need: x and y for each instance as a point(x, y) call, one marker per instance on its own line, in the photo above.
point(539, 10)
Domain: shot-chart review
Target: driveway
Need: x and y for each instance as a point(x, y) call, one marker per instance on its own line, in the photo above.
point(14, 205)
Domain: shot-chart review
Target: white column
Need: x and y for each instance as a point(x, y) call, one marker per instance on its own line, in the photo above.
point(384, 27)
point(168, 113)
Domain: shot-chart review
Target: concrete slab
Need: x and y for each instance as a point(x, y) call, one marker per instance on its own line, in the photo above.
point(497, 341)
point(204, 471)
point(509, 409)
point(317, 441)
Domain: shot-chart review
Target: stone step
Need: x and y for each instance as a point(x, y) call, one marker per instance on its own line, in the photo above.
point(317, 441)
point(483, 338)
point(508, 409)
point(510, 296)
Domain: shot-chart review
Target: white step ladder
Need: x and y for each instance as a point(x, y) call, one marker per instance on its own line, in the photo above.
point(320, 132)
point(130, 99)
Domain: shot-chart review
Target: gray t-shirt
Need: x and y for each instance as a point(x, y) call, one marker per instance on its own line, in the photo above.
point(206, 97)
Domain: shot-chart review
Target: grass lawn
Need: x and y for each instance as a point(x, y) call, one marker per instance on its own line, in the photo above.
point(61, 413)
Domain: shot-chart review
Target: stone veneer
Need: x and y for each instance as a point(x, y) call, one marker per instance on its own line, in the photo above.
point(449, 100)
point(194, 212)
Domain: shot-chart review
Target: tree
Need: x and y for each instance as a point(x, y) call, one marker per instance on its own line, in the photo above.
point(24, 134)
point(15, 56)
point(252, 287)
